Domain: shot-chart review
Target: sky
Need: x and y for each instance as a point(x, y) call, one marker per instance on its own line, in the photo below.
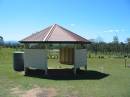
point(92, 19)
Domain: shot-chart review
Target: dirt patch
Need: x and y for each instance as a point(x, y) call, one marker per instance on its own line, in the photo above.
point(16, 91)
point(35, 92)
point(71, 93)
point(40, 92)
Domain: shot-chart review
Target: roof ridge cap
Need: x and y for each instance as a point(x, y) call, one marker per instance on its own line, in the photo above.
point(49, 32)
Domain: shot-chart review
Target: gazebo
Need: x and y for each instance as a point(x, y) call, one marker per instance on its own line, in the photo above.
point(72, 48)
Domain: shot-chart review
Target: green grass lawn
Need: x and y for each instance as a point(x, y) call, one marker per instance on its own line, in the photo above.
point(116, 84)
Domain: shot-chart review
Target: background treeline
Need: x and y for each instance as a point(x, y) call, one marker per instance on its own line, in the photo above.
point(112, 48)
point(10, 44)
point(96, 48)
point(109, 48)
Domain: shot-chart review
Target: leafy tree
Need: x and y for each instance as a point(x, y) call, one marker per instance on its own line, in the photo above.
point(128, 46)
point(1, 41)
point(128, 40)
point(115, 39)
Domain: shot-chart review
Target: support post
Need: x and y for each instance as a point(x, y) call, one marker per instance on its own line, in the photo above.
point(125, 57)
point(47, 61)
point(75, 46)
point(125, 62)
point(86, 60)
point(74, 71)
point(85, 67)
point(26, 71)
point(46, 72)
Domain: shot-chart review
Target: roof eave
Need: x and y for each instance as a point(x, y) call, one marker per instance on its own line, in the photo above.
point(80, 42)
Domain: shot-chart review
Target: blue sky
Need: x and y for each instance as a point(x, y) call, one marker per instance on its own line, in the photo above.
point(91, 19)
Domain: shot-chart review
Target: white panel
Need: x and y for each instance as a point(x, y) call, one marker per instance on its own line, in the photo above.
point(35, 58)
point(80, 58)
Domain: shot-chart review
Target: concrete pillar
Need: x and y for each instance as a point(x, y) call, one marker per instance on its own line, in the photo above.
point(74, 70)
point(85, 67)
point(46, 71)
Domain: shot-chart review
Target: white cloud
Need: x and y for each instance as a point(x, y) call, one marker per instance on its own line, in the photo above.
point(113, 31)
point(72, 25)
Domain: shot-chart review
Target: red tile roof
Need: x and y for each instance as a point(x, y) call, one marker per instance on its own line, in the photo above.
point(55, 33)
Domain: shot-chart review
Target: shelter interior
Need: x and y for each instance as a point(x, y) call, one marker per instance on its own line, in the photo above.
point(74, 54)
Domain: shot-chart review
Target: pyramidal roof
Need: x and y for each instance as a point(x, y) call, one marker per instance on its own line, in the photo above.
point(54, 34)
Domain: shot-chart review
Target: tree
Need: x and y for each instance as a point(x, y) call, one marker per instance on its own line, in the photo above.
point(115, 39)
point(1, 41)
point(128, 40)
point(128, 45)
point(99, 39)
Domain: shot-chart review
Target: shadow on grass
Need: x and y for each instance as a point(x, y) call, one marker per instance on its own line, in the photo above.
point(67, 74)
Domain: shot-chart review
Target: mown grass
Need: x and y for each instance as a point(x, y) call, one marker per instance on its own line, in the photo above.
point(117, 84)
